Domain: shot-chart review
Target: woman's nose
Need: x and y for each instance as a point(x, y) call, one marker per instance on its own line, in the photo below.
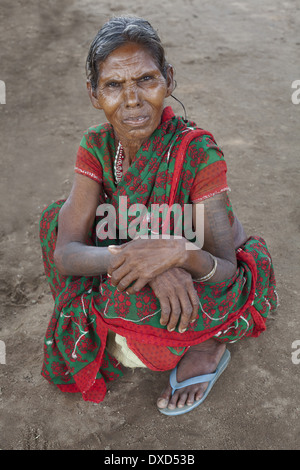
point(132, 96)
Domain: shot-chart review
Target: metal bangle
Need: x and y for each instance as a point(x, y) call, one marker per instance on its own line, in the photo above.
point(211, 273)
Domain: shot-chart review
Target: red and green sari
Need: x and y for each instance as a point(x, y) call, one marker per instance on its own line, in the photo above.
point(86, 308)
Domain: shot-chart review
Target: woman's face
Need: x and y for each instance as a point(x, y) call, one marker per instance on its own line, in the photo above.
point(131, 91)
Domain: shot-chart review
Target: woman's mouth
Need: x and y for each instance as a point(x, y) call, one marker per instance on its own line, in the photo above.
point(135, 120)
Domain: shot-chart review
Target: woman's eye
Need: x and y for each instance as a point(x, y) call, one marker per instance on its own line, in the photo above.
point(146, 78)
point(113, 84)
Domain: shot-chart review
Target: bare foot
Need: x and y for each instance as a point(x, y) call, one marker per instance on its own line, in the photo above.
point(198, 360)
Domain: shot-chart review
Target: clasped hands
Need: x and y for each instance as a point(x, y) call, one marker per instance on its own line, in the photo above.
point(157, 262)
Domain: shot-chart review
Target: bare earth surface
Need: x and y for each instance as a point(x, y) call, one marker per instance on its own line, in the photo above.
point(235, 62)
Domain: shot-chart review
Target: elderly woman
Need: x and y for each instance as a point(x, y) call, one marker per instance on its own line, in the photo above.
point(135, 290)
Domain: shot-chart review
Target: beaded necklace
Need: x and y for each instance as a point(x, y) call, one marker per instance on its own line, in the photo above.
point(118, 163)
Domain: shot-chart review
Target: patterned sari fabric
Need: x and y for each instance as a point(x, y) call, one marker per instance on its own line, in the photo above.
point(86, 308)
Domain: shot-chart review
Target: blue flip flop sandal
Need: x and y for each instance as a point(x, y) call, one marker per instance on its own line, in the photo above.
point(211, 378)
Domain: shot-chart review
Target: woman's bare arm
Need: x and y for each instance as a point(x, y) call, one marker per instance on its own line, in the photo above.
point(168, 266)
point(219, 241)
point(141, 260)
point(72, 256)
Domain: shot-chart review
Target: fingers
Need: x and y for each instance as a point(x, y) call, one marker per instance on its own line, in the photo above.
point(116, 260)
point(185, 308)
point(194, 299)
point(165, 310)
point(185, 318)
point(120, 278)
point(179, 308)
point(174, 289)
point(123, 269)
point(137, 286)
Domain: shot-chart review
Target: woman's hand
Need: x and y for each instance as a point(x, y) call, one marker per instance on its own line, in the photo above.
point(178, 298)
point(137, 262)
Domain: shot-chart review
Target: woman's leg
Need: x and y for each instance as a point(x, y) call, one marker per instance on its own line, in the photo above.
point(204, 357)
point(75, 358)
point(200, 359)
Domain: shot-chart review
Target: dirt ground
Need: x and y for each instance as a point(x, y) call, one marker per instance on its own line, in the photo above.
point(235, 62)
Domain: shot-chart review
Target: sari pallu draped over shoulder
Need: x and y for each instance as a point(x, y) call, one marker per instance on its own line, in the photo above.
point(76, 359)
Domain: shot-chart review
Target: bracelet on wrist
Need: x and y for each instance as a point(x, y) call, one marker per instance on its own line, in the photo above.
point(208, 276)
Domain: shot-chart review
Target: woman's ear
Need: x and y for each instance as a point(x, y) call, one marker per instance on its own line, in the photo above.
point(93, 95)
point(170, 80)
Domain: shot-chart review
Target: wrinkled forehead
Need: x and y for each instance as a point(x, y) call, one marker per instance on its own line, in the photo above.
point(128, 58)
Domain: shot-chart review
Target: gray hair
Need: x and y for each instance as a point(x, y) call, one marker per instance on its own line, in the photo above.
point(117, 32)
